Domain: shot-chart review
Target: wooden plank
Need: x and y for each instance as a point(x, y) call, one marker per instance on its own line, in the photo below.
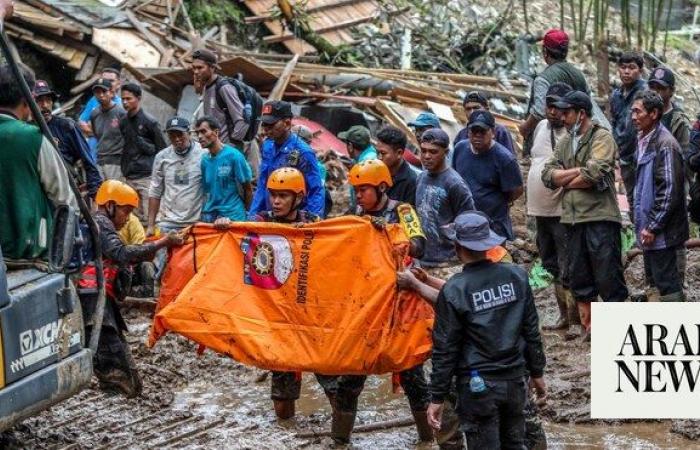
point(335, 26)
point(314, 9)
point(283, 81)
point(395, 119)
point(76, 62)
point(144, 31)
point(126, 46)
point(87, 69)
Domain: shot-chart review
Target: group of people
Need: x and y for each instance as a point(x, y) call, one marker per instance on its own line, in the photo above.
point(451, 198)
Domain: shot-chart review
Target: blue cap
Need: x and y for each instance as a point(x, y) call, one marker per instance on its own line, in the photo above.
point(471, 230)
point(481, 119)
point(177, 124)
point(435, 136)
point(425, 120)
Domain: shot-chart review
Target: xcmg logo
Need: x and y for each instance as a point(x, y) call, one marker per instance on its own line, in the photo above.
point(33, 339)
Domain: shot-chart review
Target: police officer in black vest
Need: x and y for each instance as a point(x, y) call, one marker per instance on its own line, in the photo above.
point(487, 335)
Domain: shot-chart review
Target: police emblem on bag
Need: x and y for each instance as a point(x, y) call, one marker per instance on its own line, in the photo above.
point(267, 260)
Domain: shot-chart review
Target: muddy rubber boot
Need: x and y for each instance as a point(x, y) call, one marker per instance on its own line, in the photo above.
point(674, 297)
point(563, 322)
point(652, 294)
point(584, 309)
point(341, 427)
point(682, 263)
point(425, 431)
point(572, 308)
point(284, 409)
point(121, 381)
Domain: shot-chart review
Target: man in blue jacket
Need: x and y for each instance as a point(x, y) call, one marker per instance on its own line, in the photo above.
point(70, 141)
point(282, 148)
point(661, 220)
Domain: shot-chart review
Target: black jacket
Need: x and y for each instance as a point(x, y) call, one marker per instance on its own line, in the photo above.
point(404, 185)
point(485, 320)
point(142, 140)
point(74, 148)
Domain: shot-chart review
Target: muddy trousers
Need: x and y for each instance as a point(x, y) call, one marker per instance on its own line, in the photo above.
point(451, 438)
point(595, 262)
point(412, 381)
point(113, 351)
point(660, 269)
point(552, 243)
point(494, 419)
point(287, 385)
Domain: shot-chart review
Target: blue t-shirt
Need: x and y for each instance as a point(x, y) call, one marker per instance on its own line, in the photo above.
point(221, 176)
point(440, 198)
point(490, 176)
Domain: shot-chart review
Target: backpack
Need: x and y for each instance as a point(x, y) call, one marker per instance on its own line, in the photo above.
point(252, 104)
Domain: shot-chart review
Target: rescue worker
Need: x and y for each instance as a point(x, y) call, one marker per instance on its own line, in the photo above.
point(69, 140)
point(287, 189)
point(487, 334)
point(282, 148)
point(113, 363)
point(371, 180)
point(33, 180)
point(449, 437)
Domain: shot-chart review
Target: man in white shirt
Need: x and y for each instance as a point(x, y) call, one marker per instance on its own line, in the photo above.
point(545, 206)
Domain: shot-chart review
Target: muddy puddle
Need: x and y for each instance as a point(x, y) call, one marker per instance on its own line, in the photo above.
point(377, 403)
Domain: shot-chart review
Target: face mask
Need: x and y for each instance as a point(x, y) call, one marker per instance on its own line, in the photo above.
point(574, 134)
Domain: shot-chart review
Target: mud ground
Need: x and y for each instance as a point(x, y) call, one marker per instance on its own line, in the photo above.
point(210, 401)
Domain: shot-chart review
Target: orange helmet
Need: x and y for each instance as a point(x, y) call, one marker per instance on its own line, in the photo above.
point(373, 172)
point(287, 179)
point(115, 191)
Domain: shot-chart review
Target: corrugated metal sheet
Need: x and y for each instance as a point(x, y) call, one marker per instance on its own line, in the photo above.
point(92, 13)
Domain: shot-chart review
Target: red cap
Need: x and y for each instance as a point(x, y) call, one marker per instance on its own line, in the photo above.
point(556, 39)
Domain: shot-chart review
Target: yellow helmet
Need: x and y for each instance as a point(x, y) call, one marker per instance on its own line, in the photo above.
point(373, 172)
point(115, 191)
point(287, 179)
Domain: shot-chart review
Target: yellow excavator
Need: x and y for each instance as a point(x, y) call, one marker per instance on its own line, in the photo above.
point(45, 356)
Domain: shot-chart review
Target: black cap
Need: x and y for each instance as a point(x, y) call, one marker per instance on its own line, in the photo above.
point(435, 136)
point(662, 76)
point(178, 124)
point(475, 97)
point(102, 83)
point(481, 119)
point(41, 87)
point(556, 91)
point(205, 55)
point(575, 100)
point(276, 110)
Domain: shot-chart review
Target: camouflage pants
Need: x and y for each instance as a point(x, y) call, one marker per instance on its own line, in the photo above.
point(413, 383)
point(287, 385)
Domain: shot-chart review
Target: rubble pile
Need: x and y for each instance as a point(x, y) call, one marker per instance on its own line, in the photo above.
point(445, 36)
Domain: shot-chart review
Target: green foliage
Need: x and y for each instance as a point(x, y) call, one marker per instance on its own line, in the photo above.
point(208, 13)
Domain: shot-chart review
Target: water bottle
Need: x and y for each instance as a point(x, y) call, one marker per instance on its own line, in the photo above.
point(247, 111)
point(476, 383)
